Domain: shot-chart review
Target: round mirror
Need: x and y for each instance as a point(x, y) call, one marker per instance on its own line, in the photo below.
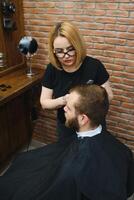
point(27, 45)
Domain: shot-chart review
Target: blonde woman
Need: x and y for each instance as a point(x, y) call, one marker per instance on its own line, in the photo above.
point(69, 65)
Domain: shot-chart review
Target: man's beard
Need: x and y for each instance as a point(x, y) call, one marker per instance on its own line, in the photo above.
point(72, 123)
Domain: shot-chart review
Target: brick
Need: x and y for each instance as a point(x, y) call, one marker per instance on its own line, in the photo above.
point(128, 105)
point(115, 41)
point(128, 7)
point(114, 54)
point(117, 79)
point(115, 67)
point(123, 87)
point(107, 6)
point(126, 20)
point(124, 62)
point(115, 27)
point(120, 109)
point(117, 13)
point(125, 49)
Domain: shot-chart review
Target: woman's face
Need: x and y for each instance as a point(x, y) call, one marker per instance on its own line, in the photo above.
point(64, 51)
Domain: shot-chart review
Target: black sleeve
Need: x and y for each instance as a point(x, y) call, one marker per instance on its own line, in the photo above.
point(102, 75)
point(48, 78)
point(130, 180)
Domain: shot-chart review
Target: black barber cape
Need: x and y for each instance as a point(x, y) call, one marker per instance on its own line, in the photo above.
point(92, 168)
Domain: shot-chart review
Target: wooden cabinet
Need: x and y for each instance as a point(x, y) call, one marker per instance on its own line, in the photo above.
point(16, 103)
point(15, 125)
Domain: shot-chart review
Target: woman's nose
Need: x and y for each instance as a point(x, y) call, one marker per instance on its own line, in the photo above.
point(66, 55)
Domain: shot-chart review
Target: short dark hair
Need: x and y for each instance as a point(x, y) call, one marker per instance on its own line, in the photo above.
point(93, 102)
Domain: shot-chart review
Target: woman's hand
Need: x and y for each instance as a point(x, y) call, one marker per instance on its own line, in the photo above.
point(62, 100)
point(108, 88)
point(47, 102)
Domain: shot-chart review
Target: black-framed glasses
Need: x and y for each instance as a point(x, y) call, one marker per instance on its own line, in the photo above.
point(61, 54)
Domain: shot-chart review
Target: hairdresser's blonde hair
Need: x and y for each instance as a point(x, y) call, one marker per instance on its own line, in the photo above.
point(68, 30)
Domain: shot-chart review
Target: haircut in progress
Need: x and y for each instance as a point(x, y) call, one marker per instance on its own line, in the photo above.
point(69, 66)
point(93, 102)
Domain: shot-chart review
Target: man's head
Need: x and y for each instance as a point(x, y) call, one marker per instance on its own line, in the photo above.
point(86, 108)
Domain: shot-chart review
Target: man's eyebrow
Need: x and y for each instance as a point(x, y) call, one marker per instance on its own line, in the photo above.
point(68, 106)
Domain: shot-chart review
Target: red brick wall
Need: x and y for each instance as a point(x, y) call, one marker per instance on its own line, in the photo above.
point(108, 29)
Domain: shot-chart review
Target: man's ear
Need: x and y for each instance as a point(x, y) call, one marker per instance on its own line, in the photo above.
point(83, 119)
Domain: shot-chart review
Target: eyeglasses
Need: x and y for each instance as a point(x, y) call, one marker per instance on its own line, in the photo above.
point(61, 54)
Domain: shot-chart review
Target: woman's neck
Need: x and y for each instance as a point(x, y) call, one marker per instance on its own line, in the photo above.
point(71, 69)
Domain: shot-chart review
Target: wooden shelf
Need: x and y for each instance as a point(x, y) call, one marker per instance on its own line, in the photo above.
point(18, 83)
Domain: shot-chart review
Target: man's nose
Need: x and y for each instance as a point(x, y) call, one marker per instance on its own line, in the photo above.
point(65, 108)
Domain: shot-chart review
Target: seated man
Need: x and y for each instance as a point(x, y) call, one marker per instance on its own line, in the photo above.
point(91, 166)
